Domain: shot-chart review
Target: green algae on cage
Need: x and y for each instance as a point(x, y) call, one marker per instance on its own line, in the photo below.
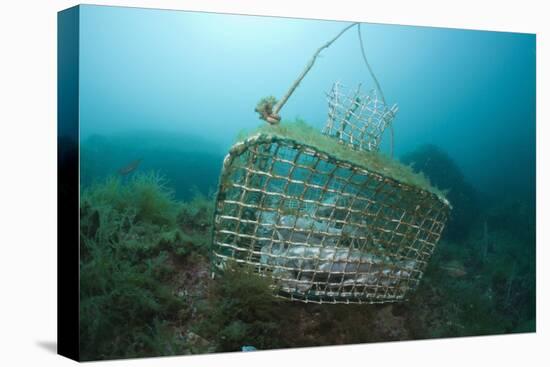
point(328, 223)
point(302, 133)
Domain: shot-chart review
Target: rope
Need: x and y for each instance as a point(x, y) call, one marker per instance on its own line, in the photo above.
point(269, 107)
point(379, 89)
point(308, 67)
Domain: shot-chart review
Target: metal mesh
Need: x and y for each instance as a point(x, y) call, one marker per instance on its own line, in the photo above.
point(324, 229)
point(356, 119)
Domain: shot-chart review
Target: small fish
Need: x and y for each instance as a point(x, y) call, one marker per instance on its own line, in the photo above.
point(455, 269)
point(131, 167)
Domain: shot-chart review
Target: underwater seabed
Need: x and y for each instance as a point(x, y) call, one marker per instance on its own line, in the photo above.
point(146, 288)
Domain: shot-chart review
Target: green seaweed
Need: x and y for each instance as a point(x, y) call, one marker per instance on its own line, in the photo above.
point(302, 133)
point(140, 295)
point(241, 310)
point(133, 233)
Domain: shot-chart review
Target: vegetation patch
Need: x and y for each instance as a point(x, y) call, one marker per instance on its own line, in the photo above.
point(146, 290)
point(302, 133)
point(133, 241)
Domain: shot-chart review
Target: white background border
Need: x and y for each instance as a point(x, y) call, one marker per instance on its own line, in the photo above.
point(28, 183)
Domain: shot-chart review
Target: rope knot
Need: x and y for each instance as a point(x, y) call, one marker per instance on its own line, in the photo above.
point(265, 109)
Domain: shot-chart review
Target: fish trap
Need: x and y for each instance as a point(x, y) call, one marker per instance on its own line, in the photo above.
point(357, 119)
point(326, 229)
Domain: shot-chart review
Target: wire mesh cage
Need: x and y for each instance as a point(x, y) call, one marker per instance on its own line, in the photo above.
point(357, 119)
point(325, 229)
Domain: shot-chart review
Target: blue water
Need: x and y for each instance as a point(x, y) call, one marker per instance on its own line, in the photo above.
point(172, 90)
point(472, 93)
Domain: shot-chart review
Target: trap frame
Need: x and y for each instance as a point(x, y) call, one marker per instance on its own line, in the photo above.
point(325, 229)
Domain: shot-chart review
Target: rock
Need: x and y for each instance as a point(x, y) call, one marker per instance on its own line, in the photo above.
point(391, 326)
point(195, 340)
